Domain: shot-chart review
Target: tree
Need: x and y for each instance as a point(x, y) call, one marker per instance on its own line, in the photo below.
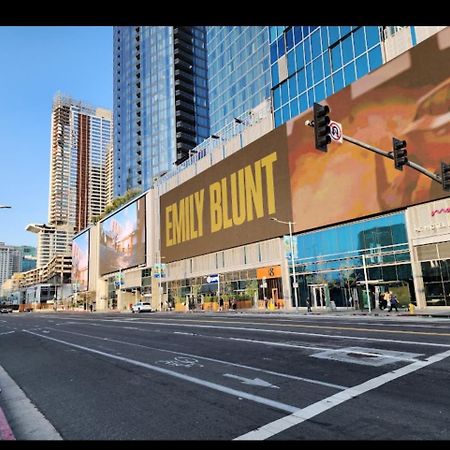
point(116, 203)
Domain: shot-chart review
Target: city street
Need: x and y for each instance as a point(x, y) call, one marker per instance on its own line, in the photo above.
point(224, 376)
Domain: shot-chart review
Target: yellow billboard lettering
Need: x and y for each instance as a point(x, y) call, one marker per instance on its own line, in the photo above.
point(193, 232)
point(238, 197)
point(178, 222)
point(267, 162)
point(227, 222)
point(254, 191)
point(187, 217)
point(169, 225)
point(215, 206)
point(199, 202)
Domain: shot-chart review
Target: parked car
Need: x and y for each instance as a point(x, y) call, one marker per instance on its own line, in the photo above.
point(141, 307)
point(6, 310)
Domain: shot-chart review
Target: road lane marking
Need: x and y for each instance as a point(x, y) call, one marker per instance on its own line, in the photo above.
point(251, 381)
point(179, 322)
point(243, 366)
point(217, 387)
point(277, 426)
point(297, 333)
point(8, 332)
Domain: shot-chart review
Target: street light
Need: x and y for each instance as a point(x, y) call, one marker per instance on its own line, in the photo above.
point(294, 284)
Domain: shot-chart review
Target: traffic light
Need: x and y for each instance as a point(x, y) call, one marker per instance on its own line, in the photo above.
point(445, 176)
point(321, 126)
point(400, 153)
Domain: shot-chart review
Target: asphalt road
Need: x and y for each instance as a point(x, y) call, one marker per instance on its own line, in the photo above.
point(175, 376)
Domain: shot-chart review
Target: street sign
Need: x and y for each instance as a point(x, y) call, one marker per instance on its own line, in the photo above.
point(212, 278)
point(336, 132)
point(295, 285)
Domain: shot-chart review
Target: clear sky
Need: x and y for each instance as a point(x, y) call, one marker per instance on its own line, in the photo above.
point(36, 62)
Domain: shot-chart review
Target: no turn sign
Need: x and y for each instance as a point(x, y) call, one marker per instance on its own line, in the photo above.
point(336, 131)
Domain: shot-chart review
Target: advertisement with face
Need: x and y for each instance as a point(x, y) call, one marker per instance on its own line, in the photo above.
point(122, 238)
point(80, 262)
point(408, 98)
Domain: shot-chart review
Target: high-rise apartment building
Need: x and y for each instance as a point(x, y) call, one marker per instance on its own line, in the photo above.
point(80, 137)
point(10, 261)
point(238, 71)
point(29, 257)
point(160, 100)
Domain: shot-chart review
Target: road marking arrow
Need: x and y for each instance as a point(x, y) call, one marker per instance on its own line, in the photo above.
point(254, 381)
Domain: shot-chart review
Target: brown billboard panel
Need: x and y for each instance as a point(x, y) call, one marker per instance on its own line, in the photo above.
point(229, 204)
point(408, 98)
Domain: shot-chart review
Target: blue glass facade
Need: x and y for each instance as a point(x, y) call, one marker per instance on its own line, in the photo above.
point(238, 71)
point(310, 63)
point(332, 261)
point(145, 104)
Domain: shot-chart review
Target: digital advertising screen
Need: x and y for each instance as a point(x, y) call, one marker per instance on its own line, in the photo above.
point(408, 98)
point(122, 238)
point(80, 262)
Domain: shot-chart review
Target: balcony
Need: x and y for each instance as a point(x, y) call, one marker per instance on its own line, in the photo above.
point(181, 74)
point(185, 106)
point(182, 85)
point(185, 117)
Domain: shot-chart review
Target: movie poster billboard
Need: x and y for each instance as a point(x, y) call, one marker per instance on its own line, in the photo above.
point(230, 203)
point(122, 238)
point(409, 99)
point(80, 262)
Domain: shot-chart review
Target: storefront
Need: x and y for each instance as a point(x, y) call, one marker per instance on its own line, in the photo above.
point(429, 231)
point(346, 265)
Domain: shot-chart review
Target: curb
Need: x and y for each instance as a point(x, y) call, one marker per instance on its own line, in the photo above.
point(6, 433)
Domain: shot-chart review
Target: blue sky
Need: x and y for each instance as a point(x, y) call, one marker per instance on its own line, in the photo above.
point(35, 63)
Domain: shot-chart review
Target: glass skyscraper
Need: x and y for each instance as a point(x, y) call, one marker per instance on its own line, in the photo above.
point(310, 63)
point(160, 101)
point(238, 71)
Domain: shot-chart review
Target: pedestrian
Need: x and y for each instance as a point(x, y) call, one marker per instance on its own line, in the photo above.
point(91, 307)
point(308, 304)
point(394, 303)
point(220, 303)
point(382, 302)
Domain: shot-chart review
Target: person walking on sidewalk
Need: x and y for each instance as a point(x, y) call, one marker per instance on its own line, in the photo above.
point(394, 303)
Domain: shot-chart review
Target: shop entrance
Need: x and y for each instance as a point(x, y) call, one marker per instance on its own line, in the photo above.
point(319, 295)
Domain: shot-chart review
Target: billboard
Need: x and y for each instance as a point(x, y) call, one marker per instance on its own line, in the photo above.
point(230, 203)
point(283, 175)
point(407, 98)
point(80, 262)
point(122, 238)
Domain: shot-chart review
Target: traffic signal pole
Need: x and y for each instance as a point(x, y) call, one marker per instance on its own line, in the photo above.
point(389, 155)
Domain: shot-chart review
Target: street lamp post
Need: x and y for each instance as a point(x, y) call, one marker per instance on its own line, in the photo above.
point(294, 274)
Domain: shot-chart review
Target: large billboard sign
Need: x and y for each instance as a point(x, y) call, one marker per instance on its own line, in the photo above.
point(230, 203)
point(282, 174)
point(122, 238)
point(80, 262)
point(407, 98)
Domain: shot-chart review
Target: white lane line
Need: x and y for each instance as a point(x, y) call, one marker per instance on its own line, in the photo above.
point(243, 366)
point(8, 332)
point(218, 387)
point(277, 426)
point(265, 330)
